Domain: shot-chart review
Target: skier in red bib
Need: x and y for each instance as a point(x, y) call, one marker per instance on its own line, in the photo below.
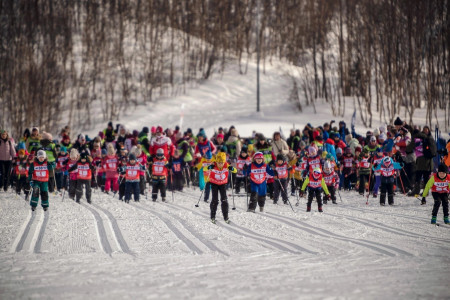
point(38, 176)
point(315, 183)
point(439, 183)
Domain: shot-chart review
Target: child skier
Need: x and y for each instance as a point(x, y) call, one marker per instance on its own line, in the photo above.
point(110, 165)
point(84, 170)
point(377, 159)
point(202, 166)
point(141, 158)
point(387, 169)
point(242, 162)
point(363, 166)
point(159, 175)
point(315, 183)
point(121, 179)
point(331, 180)
point(347, 162)
point(258, 171)
point(38, 176)
point(132, 178)
point(281, 171)
point(439, 183)
point(21, 171)
point(218, 179)
point(60, 171)
point(73, 159)
point(177, 177)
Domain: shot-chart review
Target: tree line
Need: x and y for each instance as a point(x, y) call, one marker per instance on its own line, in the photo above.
point(78, 61)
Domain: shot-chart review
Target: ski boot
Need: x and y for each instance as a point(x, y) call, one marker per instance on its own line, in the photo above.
point(33, 208)
point(308, 208)
point(163, 199)
point(45, 208)
point(261, 209)
point(446, 221)
point(334, 201)
point(250, 210)
point(433, 220)
point(424, 201)
point(213, 220)
point(375, 195)
point(227, 221)
point(320, 209)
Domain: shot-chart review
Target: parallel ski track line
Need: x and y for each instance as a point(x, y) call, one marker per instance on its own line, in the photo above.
point(329, 234)
point(256, 236)
point(207, 243)
point(118, 234)
point(175, 230)
point(384, 227)
point(386, 213)
point(37, 246)
point(100, 229)
point(25, 233)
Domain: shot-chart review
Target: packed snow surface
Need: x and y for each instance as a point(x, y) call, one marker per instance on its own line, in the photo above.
point(157, 250)
point(147, 250)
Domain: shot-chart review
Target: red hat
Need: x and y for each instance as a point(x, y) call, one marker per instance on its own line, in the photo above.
point(329, 141)
point(159, 129)
point(316, 133)
point(258, 155)
point(65, 137)
point(358, 149)
point(220, 136)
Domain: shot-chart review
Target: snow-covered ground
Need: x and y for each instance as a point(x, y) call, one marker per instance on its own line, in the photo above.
point(113, 250)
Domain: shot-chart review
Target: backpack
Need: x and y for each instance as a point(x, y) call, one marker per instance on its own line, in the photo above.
point(429, 148)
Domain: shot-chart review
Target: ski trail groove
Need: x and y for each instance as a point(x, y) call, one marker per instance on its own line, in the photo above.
point(37, 246)
point(19, 246)
point(104, 243)
point(383, 227)
point(119, 237)
point(258, 237)
point(328, 234)
point(175, 230)
point(207, 243)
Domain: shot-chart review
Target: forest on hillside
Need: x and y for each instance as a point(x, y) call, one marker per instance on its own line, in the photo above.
point(60, 58)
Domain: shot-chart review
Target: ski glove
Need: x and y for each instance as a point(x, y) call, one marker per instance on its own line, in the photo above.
point(230, 168)
point(31, 183)
point(328, 197)
point(302, 193)
point(210, 167)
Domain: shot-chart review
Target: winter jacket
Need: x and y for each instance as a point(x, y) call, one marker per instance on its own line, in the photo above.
point(422, 163)
point(234, 146)
point(279, 146)
point(7, 149)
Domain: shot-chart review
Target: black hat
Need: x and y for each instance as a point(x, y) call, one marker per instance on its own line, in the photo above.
point(443, 168)
point(83, 155)
point(398, 121)
point(189, 130)
point(280, 157)
point(177, 128)
point(110, 124)
point(145, 130)
point(131, 156)
point(244, 149)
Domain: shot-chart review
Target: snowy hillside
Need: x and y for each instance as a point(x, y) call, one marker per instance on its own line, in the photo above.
point(113, 250)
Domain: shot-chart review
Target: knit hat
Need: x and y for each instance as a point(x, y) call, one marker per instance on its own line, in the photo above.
point(160, 152)
point(382, 129)
point(221, 157)
point(398, 121)
point(379, 149)
point(220, 136)
point(244, 149)
point(110, 149)
point(258, 155)
point(208, 155)
point(21, 152)
point(338, 150)
point(179, 135)
point(201, 133)
point(404, 129)
point(110, 124)
point(153, 130)
point(65, 137)
point(234, 132)
point(280, 157)
point(373, 139)
point(382, 136)
point(443, 168)
point(302, 144)
point(83, 155)
point(376, 132)
point(81, 137)
point(358, 148)
point(145, 130)
point(159, 129)
point(73, 154)
point(63, 149)
point(132, 157)
point(104, 152)
point(41, 153)
point(46, 136)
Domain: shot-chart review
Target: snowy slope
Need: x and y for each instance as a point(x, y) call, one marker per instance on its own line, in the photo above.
point(170, 250)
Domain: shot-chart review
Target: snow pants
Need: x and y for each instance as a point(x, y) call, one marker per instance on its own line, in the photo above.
point(280, 185)
point(142, 185)
point(216, 189)
point(256, 199)
point(22, 184)
point(387, 185)
point(86, 183)
point(438, 199)
point(363, 179)
point(317, 193)
point(159, 184)
point(377, 184)
point(241, 181)
point(5, 170)
point(72, 188)
point(132, 187)
point(111, 181)
point(41, 188)
point(332, 191)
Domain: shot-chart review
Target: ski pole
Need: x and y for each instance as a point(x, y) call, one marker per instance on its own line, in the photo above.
point(196, 205)
point(232, 193)
point(401, 181)
point(64, 193)
point(339, 193)
point(171, 180)
point(368, 188)
point(282, 188)
point(120, 182)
